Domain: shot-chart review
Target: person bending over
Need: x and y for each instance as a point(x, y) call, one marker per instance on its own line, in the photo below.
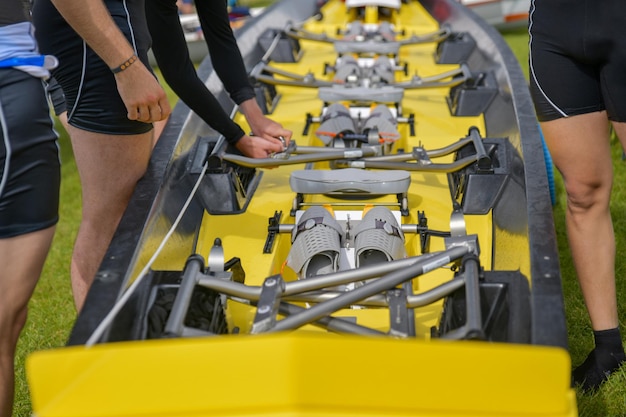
point(172, 56)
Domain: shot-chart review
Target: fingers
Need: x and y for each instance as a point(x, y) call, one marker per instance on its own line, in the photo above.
point(145, 99)
point(271, 130)
point(258, 147)
point(281, 138)
point(133, 113)
point(146, 114)
point(150, 113)
point(155, 113)
point(166, 110)
point(287, 135)
point(273, 144)
point(282, 133)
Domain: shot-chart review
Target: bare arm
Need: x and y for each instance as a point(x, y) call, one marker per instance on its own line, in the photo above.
point(144, 98)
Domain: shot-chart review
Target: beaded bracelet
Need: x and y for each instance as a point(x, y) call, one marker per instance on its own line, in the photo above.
point(130, 61)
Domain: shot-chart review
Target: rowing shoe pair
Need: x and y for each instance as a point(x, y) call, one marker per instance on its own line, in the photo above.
point(318, 240)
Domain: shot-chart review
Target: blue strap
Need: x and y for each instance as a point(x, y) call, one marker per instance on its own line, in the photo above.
point(36, 61)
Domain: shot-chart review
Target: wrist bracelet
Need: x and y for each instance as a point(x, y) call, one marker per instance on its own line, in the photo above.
point(130, 61)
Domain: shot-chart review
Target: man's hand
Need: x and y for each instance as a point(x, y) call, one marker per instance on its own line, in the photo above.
point(142, 94)
point(270, 130)
point(264, 130)
point(258, 147)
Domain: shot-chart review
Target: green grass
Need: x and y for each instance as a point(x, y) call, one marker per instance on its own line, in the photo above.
point(52, 313)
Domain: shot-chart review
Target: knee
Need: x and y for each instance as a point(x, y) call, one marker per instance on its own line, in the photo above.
point(585, 196)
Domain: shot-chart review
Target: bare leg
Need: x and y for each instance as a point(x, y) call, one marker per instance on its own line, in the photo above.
point(21, 261)
point(580, 149)
point(109, 167)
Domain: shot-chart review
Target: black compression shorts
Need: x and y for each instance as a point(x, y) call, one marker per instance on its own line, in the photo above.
point(578, 58)
point(57, 98)
point(29, 156)
point(92, 100)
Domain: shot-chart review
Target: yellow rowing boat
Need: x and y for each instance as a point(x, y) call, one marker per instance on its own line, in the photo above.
point(398, 258)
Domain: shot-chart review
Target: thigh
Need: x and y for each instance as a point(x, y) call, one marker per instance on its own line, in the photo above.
point(109, 167)
point(580, 148)
point(29, 157)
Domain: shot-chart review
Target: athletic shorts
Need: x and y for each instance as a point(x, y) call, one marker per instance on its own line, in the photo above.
point(57, 98)
point(578, 58)
point(92, 100)
point(29, 156)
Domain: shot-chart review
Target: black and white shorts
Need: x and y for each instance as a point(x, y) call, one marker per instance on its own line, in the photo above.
point(578, 58)
point(29, 156)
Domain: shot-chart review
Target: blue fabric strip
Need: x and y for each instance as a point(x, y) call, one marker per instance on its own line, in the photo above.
point(37, 61)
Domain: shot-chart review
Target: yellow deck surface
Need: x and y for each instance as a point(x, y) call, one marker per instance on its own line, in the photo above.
point(296, 374)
